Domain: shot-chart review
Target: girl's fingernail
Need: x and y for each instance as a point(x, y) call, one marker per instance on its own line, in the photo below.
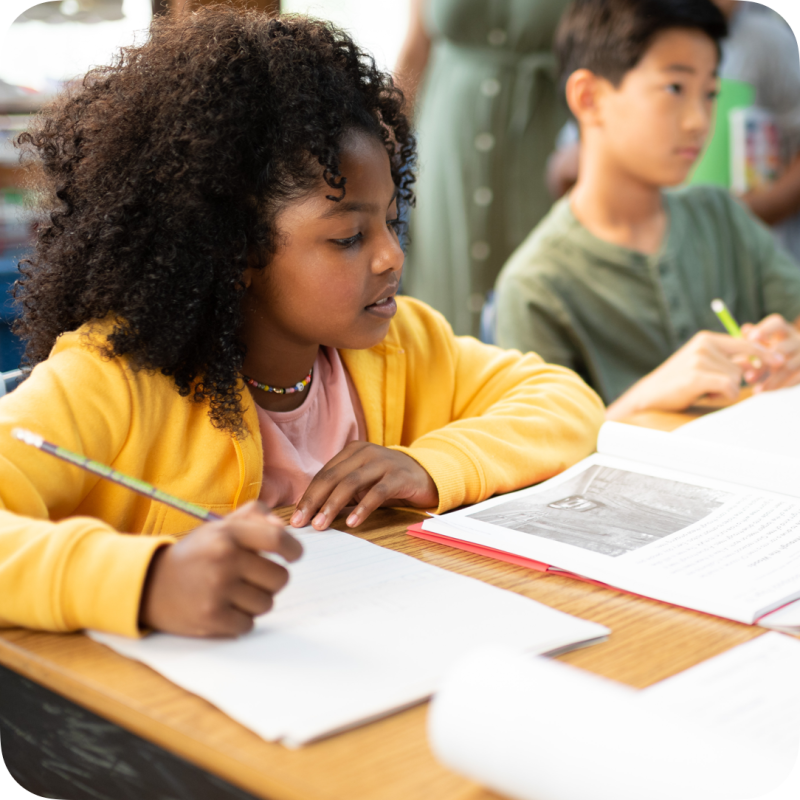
point(320, 521)
point(297, 518)
point(352, 520)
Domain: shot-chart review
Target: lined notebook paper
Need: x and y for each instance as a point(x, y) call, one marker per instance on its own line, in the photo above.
point(359, 632)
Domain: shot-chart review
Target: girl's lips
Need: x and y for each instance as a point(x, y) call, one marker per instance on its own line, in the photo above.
point(385, 308)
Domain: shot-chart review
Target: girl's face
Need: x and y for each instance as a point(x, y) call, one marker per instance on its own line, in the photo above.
point(333, 279)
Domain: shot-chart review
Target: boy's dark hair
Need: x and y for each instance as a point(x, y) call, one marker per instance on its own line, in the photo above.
point(161, 175)
point(610, 37)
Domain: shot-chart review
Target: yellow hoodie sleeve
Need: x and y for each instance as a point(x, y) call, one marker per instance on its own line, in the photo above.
point(60, 572)
point(484, 421)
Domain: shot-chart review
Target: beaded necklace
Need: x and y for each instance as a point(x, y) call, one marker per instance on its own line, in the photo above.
point(298, 387)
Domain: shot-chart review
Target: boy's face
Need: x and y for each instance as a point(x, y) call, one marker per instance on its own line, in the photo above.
point(654, 125)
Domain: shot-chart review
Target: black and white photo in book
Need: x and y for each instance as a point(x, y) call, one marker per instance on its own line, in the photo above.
point(607, 510)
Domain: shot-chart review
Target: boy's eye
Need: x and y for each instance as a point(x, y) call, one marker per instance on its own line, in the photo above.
point(349, 242)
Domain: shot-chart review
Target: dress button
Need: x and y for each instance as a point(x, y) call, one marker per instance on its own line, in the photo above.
point(497, 37)
point(480, 251)
point(484, 142)
point(475, 302)
point(483, 196)
point(490, 87)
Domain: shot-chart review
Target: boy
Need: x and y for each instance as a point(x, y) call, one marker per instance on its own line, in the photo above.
point(617, 281)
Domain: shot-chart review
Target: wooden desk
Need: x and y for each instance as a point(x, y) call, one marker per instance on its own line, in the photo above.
point(389, 759)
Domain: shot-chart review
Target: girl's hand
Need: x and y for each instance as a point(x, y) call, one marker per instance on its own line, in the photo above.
point(370, 475)
point(783, 341)
point(215, 581)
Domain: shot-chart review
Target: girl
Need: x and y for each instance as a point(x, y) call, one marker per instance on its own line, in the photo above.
point(211, 307)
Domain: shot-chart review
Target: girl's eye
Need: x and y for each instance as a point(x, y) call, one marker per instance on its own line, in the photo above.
point(397, 225)
point(713, 94)
point(348, 242)
point(675, 88)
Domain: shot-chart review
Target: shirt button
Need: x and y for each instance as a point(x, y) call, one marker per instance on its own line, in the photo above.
point(475, 302)
point(497, 37)
point(490, 87)
point(483, 196)
point(480, 251)
point(484, 142)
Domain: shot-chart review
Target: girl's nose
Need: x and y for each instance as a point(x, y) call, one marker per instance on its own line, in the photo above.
point(389, 256)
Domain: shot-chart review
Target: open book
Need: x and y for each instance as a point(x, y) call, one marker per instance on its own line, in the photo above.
point(710, 527)
point(535, 729)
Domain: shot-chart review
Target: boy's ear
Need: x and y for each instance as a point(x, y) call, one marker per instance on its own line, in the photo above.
point(583, 91)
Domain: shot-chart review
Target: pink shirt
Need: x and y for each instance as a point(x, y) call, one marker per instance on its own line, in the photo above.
point(297, 444)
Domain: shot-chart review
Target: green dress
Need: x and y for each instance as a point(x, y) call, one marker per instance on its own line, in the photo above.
point(488, 120)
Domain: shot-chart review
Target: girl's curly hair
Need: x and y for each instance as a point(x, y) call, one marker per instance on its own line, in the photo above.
point(160, 177)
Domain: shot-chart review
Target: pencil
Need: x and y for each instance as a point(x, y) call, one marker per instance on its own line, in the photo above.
point(726, 318)
point(104, 471)
point(721, 310)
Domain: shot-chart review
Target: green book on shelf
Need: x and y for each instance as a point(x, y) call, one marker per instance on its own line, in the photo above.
point(714, 166)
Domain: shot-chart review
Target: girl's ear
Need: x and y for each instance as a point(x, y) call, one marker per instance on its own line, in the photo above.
point(247, 277)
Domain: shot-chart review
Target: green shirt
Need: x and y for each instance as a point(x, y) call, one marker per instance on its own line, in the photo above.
point(613, 314)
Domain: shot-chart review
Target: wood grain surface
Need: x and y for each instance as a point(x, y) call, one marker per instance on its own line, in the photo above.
point(388, 759)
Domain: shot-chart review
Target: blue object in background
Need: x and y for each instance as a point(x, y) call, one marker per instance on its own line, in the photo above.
point(10, 346)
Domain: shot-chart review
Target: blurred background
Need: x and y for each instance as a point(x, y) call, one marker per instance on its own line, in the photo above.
point(55, 42)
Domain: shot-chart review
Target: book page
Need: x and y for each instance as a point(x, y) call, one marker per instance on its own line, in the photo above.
point(768, 423)
point(727, 460)
point(786, 619)
point(535, 729)
point(360, 631)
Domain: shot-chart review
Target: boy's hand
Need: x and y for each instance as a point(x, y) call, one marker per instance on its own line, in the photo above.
point(215, 581)
point(370, 475)
point(783, 341)
point(708, 364)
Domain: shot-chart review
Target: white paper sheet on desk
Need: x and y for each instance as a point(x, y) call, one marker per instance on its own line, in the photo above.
point(768, 422)
point(536, 729)
point(359, 632)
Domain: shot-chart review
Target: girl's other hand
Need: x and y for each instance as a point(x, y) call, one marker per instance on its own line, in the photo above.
point(215, 581)
point(370, 475)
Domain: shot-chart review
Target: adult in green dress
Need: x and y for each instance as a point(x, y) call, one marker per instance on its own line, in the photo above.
point(487, 120)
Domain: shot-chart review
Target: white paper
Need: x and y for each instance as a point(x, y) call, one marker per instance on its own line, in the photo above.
point(359, 631)
point(534, 729)
point(752, 691)
point(727, 460)
point(786, 618)
point(768, 422)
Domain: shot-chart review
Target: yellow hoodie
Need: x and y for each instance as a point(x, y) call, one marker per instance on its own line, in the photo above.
point(480, 420)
